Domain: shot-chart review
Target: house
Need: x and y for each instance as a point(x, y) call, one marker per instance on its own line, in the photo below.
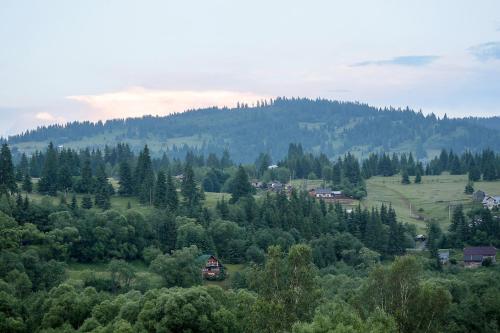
point(213, 268)
point(478, 196)
point(271, 167)
point(444, 256)
point(474, 256)
point(491, 202)
point(325, 193)
point(257, 184)
point(275, 186)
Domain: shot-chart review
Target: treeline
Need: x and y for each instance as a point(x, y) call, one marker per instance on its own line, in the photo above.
point(331, 127)
point(483, 165)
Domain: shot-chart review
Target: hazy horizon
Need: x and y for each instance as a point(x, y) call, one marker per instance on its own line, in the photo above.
point(91, 60)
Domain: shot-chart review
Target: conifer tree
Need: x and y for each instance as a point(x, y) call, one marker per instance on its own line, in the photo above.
point(87, 179)
point(190, 193)
point(418, 178)
point(405, 179)
point(48, 179)
point(74, 202)
point(144, 177)
point(172, 198)
point(160, 191)
point(27, 183)
point(7, 177)
point(126, 181)
point(469, 188)
point(102, 195)
point(86, 202)
point(240, 186)
point(22, 169)
point(474, 171)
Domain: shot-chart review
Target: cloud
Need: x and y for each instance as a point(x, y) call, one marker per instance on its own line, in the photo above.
point(486, 51)
point(138, 101)
point(412, 60)
point(45, 116)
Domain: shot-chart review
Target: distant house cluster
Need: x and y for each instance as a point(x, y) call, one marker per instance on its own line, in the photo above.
point(488, 201)
point(476, 256)
point(326, 194)
point(274, 186)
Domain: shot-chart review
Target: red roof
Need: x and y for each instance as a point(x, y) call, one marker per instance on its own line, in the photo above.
point(480, 250)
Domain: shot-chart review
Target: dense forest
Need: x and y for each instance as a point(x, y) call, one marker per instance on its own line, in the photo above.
point(330, 127)
point(309, 266)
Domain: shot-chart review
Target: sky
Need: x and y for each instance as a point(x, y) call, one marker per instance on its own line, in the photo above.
point(92, 60)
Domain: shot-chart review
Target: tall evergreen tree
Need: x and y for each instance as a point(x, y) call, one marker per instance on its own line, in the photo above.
point(160, 191)
point(405, 179)
point(172, 197)
point(48, 179)
point(7, 176)
point(27, 183)
point(144, 177)
point(126, 181)
point(240, 186)
point(86, 202)
point(102, 195)
point(190, 193)
point(87, 181)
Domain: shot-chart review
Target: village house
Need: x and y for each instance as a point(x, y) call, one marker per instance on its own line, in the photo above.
point(478, 196)
point(444, 256)
point(325, 193)
point(257, 184)
point(475, 256)
point(213, 268)
point(491, 202)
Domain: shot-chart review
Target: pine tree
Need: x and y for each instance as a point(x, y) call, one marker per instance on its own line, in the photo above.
point(418, 178)
point(126, 181)
point(172, 198)
point(86, 202)
point(64, 179)
point(474, 172)
point(87, 180)
point(190, 193)
point(48, 179)
point(405, 179)
point(27, 183)
point(144, 177)
point(240, 186)
point(160, 191)
point(102, 195)
point(459, 228)
point(7, 177)
point(74, 202)
point(469, 188)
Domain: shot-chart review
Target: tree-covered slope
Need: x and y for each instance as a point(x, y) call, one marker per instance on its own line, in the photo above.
point(331, 127)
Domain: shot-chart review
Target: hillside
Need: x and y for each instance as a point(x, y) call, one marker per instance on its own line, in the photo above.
point(331, 127)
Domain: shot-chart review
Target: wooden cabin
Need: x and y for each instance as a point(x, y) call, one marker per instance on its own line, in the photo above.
point(213, 268)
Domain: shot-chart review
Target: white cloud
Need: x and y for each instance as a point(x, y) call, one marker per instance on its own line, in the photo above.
point(138, 101)
point(45, 116)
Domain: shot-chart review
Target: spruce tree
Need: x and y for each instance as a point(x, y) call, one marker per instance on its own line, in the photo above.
point(86, 202)
point(74, 202)
point(418, 178)
point(126, 181)
point(240, 186)
point(48, 179)
point(7, 176)
point(172, 197)
point(144, 177)
point(160, 191)
point(474, 172)
point(27, 183)
point(469, 188)
point(102, 195)
point(87, 180)
point(190, 193)
point(405, 179)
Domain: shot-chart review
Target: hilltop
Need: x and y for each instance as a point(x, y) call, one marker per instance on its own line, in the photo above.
point(331, 127)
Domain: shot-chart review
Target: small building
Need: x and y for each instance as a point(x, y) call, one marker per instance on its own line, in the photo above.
point(478, 196)
point(475, 256)
point(213, 268)
point(491, 202)
point(257, 184)
point(420, 238)
point(444, 256)
point(325, 193)
point(273, 166)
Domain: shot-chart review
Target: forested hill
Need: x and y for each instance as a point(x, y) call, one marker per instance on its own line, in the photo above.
point(331, 127)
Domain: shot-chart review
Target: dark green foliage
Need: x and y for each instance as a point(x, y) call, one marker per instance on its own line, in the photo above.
point(160, 191)
point(125, 180)
point(418, 178)
point(240, 186)
point(102, 189)
point(86, 202)
point(144, 177)
point(469, 188)
point(190, 193)
point(7, 177)
point(48, 181)
point(405, 179)
point(27, 185)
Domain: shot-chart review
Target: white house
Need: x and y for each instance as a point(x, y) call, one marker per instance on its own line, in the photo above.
point(491, 202)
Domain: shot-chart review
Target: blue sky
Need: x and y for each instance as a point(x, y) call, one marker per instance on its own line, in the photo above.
point(78, 60)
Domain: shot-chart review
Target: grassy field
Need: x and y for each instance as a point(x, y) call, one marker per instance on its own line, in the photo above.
point(432, 199)
point(226, 284)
